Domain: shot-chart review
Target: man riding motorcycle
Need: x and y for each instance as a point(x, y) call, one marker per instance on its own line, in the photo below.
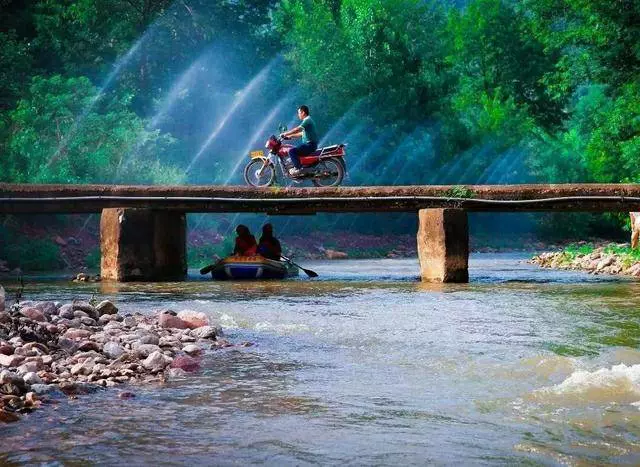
point(307, 131)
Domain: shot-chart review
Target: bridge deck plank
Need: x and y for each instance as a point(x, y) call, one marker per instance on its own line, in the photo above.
point(28, 198)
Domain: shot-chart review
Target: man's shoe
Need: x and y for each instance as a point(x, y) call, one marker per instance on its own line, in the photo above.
point(294, 172)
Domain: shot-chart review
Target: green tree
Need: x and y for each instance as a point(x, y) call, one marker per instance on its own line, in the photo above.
point(50, 143)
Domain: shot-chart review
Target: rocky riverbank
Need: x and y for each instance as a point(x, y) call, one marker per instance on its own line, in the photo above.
point(50, 349)
point(607, 259)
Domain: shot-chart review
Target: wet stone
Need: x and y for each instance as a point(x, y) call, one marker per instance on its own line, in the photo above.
point(106, 308)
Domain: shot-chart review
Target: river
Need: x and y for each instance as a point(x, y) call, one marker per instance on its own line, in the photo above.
point(367, 365)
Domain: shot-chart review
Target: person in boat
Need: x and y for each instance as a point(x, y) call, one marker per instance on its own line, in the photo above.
point(245, 242)
point(307, 131)
point(269, 246)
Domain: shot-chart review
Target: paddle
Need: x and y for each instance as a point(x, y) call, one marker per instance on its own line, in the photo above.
point(207, 269)
point(308, 272)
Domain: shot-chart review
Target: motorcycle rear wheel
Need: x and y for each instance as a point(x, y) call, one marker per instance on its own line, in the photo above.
point(333, 169)
point(253, 177)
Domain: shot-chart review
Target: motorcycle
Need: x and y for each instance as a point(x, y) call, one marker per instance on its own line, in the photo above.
point(324, 167)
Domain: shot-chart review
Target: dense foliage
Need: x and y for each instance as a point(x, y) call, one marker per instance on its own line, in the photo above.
point(458, 92)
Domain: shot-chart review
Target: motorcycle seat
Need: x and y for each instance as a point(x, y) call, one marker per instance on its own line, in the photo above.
point(325, 150)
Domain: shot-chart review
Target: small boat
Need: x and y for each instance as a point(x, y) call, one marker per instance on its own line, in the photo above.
point(252, 267)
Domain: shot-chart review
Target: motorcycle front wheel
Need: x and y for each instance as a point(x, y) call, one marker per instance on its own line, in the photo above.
point(330, 173)
point(259, 173)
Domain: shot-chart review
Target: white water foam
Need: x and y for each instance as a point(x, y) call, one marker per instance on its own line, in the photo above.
point(620, 383)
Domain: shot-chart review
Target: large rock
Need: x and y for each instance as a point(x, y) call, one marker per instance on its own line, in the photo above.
point(11, 361)
point(47, 308)
point(206, 332)
point(50, 389)
point(167, 320)
point(87, 345)
point(7, 376)
point(144, 350)
point(66, 311)
point(149, 338)
point(192, 349)
point(194, 319)
point(89, 309)
point(157, 361)
point(33, 314)
point(75, 334)
point(6, 348)
point(106, 308)
point(67, 345)
point(185, 363)
point(32, 378)
point(112, 350)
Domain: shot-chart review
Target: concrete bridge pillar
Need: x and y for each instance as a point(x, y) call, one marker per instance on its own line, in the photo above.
point(143, 245)
point(443, 245)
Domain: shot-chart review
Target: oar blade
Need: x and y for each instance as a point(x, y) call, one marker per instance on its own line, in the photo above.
point(207, 269)
point(310, 273)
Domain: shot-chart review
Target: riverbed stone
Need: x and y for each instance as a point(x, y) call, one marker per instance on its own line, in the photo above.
point(87, 345)
point(33, 314)
point(194, 319)
point(157, 361)
point(29, 367)
point(32, 378)
point(173, 373)
point(47, 308)
point(105, 307)
point(89, 321)
point(205, 332)
point(167, 320)
point(192, 349)
point(11, 361)
point(82, 368)
point(144, 350)
point(186, 363)
point(67, 345)
point(75, 333)
point(49, 389)
point(89, 309)
point(6, 348)
point(104, 319)
point(149, 339)
point(7, 376)
point(129, 321)
point(66, 311)
point(5, 317)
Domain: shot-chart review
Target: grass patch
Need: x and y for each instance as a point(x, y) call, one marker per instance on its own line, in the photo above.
point(626, 255)
point(459, 191)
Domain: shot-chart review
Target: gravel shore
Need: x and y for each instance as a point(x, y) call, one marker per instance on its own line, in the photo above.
point(50, 349)
point(599, 261)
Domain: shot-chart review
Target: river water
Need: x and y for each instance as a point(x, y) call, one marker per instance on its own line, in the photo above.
point(367, 365)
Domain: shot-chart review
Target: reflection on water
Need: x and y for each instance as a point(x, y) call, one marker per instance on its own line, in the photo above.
point(368, 365)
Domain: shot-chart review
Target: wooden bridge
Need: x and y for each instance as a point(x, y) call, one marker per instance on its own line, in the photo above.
point(143, 228)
